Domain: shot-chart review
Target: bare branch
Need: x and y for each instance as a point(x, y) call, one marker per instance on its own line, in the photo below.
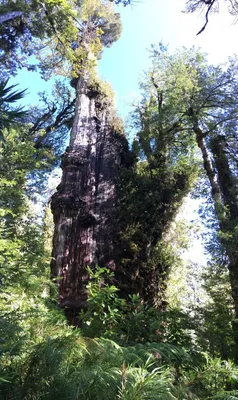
point(207, 13)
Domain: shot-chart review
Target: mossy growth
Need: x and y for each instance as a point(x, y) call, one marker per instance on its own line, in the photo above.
point(116, 124)
point(150, 193)
point(101, 91)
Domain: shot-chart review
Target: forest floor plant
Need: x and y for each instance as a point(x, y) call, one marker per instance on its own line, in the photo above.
point(44, 358)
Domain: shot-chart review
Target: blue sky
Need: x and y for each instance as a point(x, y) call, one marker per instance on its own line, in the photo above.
point(149, 22)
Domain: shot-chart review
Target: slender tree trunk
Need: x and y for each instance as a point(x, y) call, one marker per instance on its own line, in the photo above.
point(84, 203)
point(225, 196)
point(207, 163)
point(228, 185)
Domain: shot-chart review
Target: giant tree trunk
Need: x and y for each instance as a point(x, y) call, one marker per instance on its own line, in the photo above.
point(87, 231)
point(84, 203)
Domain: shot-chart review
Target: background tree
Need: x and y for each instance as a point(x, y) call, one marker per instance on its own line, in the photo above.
point(202, 100)
point(153, 190)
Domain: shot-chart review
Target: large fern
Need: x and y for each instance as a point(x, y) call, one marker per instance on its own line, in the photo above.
point(8, 114)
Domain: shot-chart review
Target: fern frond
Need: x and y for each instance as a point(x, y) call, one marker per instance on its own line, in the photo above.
point(165, 352)
point(231, 395)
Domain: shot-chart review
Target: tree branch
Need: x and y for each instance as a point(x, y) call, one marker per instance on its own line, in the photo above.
point(207, 13)
point(10, 15)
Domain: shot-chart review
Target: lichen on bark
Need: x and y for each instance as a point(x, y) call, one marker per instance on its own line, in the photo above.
point(83, 205)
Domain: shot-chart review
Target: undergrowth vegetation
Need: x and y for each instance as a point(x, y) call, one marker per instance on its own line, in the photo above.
point(123, 350)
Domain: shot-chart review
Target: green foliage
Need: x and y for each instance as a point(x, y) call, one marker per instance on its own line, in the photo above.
point(101, 90)
point(216, 315)
point(132, 321)
point(26, 34)
point(30, 144)
point(139, 383)
point(49, 122)
point(233, 395)
point(44, 358)
point(8, 114)
point(18, 157)
point(154, 188)
point(65, 37)
point(214, 377)
point(190, 102)
point(135, 347)
point(53, 360)
point(104, 307)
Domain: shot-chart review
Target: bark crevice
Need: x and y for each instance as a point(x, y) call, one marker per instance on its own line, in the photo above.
point(83, 206)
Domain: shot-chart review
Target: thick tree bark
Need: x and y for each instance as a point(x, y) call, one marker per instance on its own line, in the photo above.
point(84, 203)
